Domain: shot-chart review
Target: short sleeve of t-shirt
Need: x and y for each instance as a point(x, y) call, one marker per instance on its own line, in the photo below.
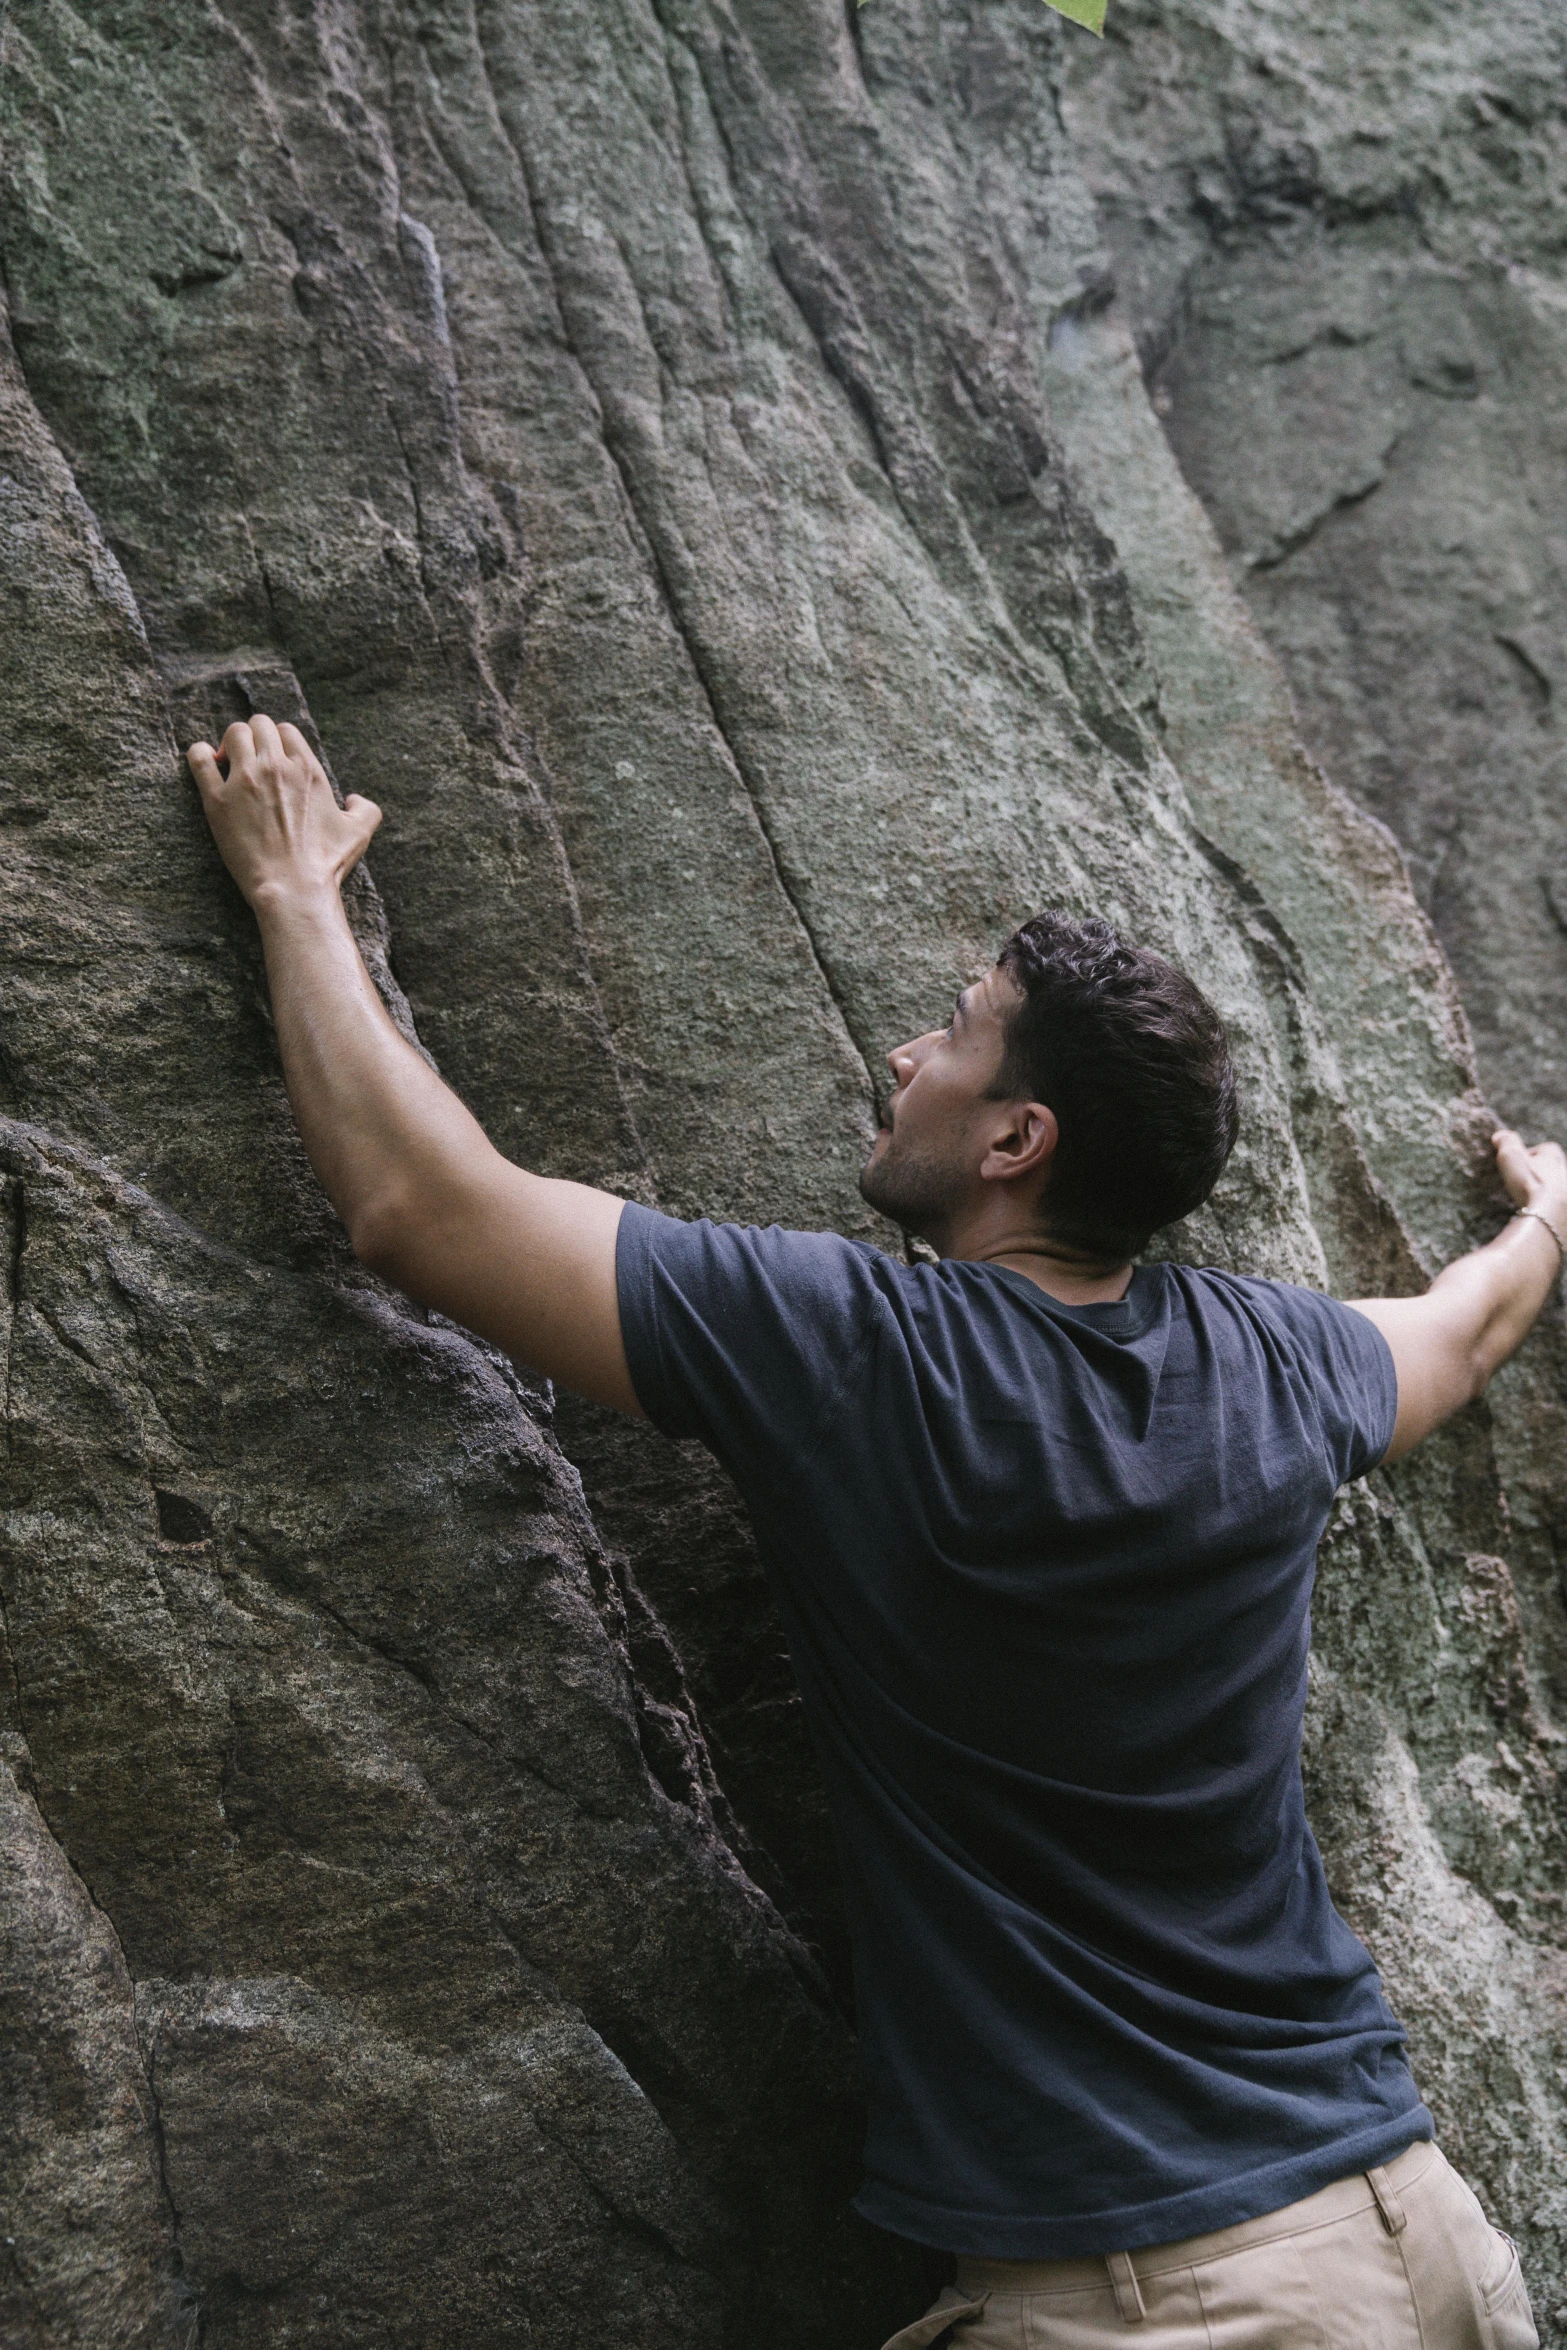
point(740, 1336)
point(1349, 1367)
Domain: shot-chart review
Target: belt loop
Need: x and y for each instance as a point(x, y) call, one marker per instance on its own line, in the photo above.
point(1123, 2281)
point(1394, 2217)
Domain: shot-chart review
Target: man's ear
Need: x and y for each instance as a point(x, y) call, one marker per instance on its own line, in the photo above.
point(1023, 1143)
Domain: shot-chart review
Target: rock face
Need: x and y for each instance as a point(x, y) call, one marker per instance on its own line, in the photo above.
point(685, 462)
point(1341, 238)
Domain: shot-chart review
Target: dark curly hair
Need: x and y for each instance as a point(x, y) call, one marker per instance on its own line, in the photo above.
point(1132, 1058)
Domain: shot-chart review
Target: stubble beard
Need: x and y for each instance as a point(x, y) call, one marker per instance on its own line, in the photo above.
point(915, 1189)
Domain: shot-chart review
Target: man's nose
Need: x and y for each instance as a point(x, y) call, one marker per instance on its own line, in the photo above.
point(904, 1059)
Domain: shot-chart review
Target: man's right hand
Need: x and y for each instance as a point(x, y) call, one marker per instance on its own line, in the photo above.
point(1476, 1313)
point(273, 815)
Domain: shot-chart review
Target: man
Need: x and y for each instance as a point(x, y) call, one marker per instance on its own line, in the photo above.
point(1041, 1526)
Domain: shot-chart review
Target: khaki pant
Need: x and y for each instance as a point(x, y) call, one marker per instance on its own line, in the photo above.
point(1398, 2259)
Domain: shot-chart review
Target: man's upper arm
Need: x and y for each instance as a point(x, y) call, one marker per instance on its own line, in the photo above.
point(1432, 1345)
point(739, 1335)
point(528, 1263)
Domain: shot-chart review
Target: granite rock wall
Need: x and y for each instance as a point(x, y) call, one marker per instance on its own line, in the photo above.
point(1340, 237)
point(690, 463)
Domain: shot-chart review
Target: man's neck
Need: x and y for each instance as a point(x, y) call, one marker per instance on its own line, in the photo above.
point(1065, 1274)
point(1071, 1280)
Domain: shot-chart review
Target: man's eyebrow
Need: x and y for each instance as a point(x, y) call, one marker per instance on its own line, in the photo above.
point(960, 1008)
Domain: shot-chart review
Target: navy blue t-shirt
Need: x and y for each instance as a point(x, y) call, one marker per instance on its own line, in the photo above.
point(1046, 1575)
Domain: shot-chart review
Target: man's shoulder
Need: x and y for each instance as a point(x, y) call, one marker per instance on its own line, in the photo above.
point(1263, 1292)
point(1309, 1320)
point(714, 1251)
point(731, 1330)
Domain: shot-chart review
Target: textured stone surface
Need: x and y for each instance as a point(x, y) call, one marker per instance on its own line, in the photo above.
point(1341, 237)
point(682, 461)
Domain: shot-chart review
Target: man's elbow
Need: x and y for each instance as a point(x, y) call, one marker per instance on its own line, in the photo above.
point(382, 1234)
point(1484, 1361)
point(1489, 1345)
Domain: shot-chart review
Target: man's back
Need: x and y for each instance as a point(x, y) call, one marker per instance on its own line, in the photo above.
point(1046, 1574)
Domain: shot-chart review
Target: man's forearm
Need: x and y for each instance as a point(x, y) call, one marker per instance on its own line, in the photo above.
point(1497, 1292)
point(1479, 1310)
point(379, 1125)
